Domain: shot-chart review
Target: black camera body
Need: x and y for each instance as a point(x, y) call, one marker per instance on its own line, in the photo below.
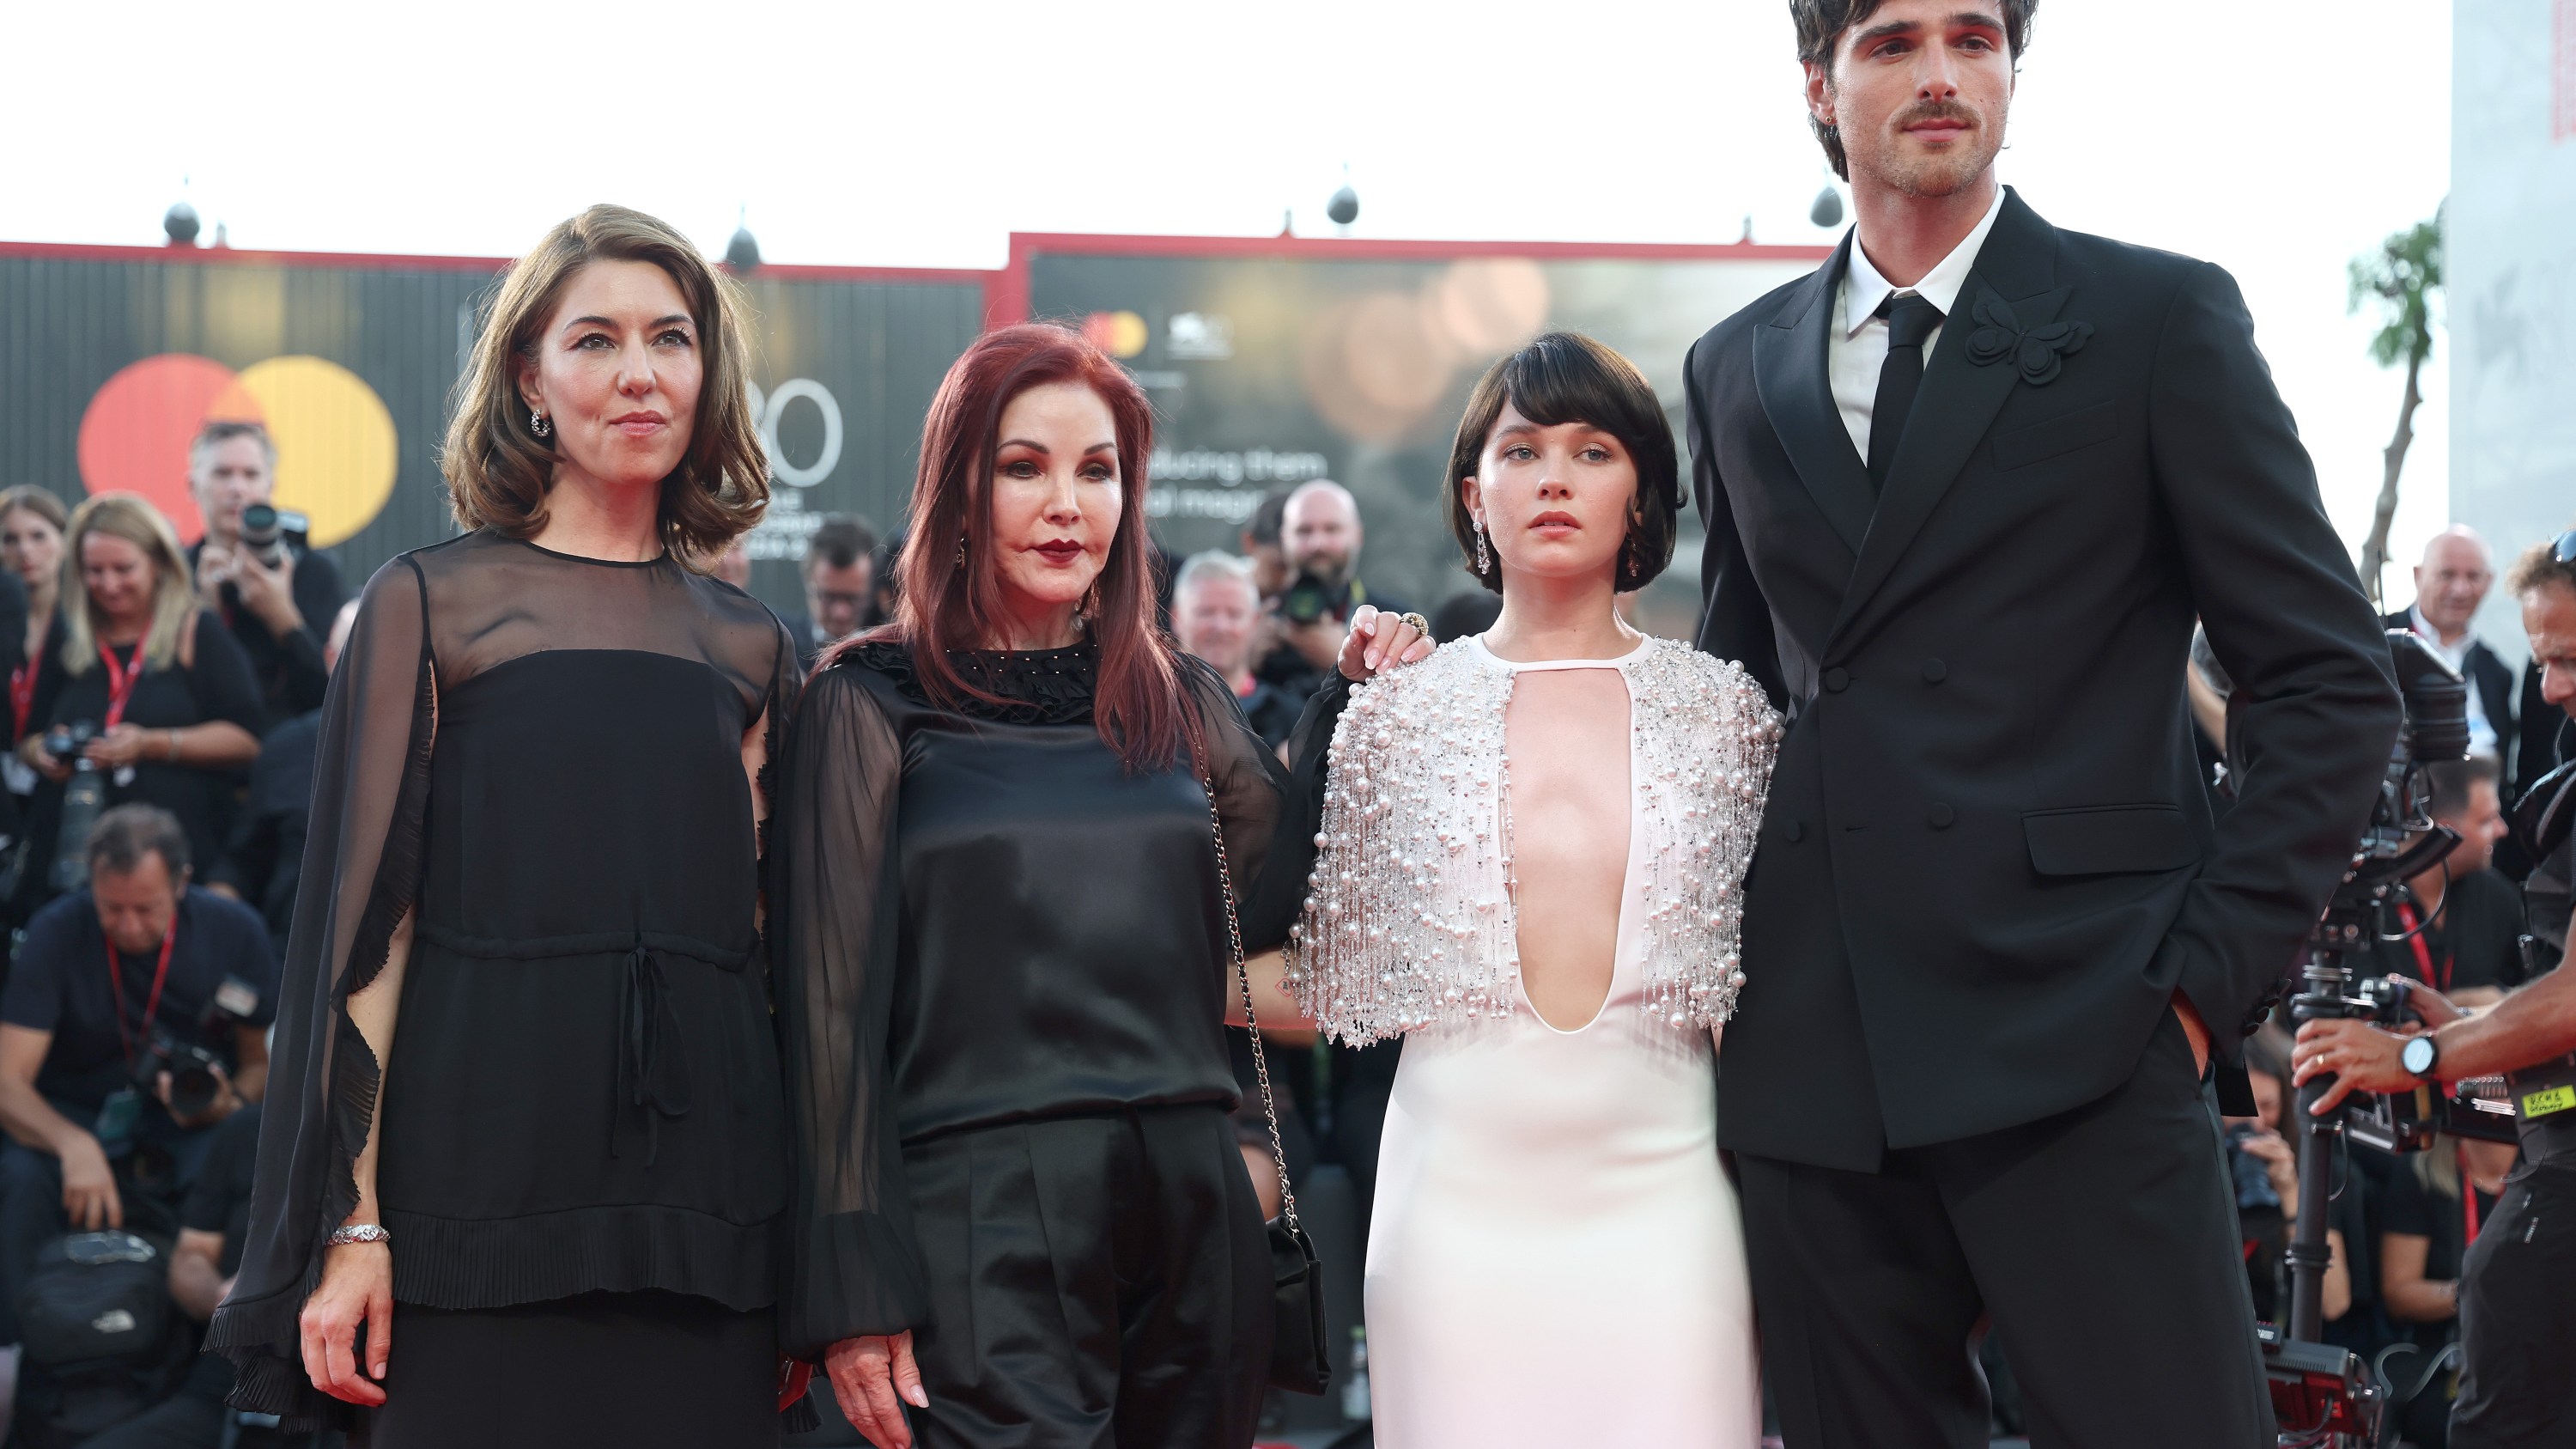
point(1310, 597)
point(269, 534)
point(192, 1068)
point(84, 797)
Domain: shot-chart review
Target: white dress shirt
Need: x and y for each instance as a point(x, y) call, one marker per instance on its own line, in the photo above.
point(2482, 735)
point(1858, 348)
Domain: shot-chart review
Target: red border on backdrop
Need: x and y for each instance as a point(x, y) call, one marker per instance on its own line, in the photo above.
point(388, 262)
point(1006, 292)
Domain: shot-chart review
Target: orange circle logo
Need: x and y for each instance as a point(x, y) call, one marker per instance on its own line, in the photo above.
point(335, 439)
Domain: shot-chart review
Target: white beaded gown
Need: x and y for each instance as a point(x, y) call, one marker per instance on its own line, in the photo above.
point(1555, 1256)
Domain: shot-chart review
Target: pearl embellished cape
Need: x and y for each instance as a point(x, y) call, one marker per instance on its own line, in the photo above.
point(1409, 911)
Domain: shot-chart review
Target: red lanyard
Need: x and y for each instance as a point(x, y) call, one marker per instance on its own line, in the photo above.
point(2468, 1200)
point(2424, 954)
point(152, 1004)
point(121, 680)
point(22, 699)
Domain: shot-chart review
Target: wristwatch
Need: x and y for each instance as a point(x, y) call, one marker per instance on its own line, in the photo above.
point(2418, 1056)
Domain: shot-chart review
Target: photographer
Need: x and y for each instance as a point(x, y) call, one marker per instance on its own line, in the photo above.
point(273, 593)
point(1320, 532)
point(2462, 920)
point(146, 700)
point(134, 1022)
point(840, 586)
point(2517, 1294)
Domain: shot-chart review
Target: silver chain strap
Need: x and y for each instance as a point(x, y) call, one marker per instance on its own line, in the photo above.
point(1243, 979)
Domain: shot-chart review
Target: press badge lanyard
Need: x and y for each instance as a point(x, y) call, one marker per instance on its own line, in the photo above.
point(2468, 1200)
point(121, 680)
point(152, 1004)
point(2423, 955)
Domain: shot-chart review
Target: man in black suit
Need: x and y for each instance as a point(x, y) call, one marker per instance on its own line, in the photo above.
point(2450, 584)
point(1966, 488)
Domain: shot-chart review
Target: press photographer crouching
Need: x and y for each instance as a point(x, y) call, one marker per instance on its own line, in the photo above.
point(2517, 1285)
point(133, 1025)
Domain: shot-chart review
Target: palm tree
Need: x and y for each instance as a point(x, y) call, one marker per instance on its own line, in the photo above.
point(2402, 275)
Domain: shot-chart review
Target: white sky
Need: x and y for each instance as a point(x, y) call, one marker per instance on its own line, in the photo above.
point(923, 134)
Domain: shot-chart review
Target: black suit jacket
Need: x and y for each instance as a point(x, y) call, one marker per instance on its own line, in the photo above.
point(2493, 679)
point(1987, 863)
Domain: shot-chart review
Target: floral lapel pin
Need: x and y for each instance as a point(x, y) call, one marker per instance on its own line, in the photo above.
point(2039, 352)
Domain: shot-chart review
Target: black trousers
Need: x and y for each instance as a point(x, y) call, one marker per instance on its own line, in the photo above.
point(630, 1370)
point(1095, 1283)
point(2101, 1242)
point(2518, 1317)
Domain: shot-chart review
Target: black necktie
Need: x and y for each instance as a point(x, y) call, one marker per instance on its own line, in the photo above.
point(1910, 319)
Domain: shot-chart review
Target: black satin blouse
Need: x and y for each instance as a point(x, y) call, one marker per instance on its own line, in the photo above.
point(983, 917)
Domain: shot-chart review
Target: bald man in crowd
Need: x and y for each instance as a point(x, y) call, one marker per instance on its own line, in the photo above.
point(2450, 584)
point(1320, 534)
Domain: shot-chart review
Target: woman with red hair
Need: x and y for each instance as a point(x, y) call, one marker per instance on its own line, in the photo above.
point(1002, 953)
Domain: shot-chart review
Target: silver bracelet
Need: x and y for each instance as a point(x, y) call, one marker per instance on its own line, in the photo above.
point(360, 1233)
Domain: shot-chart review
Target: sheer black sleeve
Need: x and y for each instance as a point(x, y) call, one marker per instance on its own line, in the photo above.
point(1268, 863)
point(853, 1267)
point(361, 876)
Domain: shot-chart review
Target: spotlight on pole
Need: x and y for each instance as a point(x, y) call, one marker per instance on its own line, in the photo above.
point(1828, 210)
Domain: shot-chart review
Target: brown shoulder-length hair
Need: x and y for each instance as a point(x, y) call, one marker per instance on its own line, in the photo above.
point(953, 602)
point(498, 469)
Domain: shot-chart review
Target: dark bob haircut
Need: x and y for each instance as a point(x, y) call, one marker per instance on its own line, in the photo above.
point(1566, 377)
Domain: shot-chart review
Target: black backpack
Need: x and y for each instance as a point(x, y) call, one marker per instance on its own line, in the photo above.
point(101, 1339)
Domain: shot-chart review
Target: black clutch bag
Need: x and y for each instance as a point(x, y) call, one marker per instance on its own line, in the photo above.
point(1299, 1363)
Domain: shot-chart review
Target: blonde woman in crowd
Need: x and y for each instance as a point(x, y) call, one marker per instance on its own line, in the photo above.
point(142, 685)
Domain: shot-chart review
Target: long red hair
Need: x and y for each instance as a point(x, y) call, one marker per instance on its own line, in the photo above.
point(1136, 700)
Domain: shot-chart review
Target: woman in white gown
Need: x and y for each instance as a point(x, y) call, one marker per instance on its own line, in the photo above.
point(1530, 864)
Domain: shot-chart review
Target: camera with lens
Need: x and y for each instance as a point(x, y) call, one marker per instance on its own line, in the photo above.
point(268, 533)
point(1311, 597)
point(84, 796)
point(194, 1070)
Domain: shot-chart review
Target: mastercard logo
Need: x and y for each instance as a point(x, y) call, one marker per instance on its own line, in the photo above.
point(335, 439)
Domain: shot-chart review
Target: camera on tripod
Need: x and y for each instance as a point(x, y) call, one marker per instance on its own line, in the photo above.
point(2318, 1392)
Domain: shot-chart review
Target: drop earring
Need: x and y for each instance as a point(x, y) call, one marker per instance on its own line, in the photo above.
point(961, 550)
point(537, 423)
point(1484, 560)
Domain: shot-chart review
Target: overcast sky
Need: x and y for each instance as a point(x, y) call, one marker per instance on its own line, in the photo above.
point(923, 134)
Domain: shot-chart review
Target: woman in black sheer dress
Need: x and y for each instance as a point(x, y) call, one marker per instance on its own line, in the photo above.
point(547, 1210)
point(1001, 956)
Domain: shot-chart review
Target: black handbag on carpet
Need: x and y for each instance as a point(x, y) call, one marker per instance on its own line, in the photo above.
point(1299, 1362)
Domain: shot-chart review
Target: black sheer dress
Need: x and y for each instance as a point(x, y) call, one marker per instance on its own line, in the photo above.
point(1003, 973)
point(583, 1152)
